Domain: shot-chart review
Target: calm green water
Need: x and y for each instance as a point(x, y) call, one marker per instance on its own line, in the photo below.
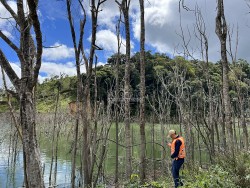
point(11, 175)
point(11, 160)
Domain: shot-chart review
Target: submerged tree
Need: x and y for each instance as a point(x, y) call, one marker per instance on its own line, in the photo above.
point(29, 53)
point(77, 49)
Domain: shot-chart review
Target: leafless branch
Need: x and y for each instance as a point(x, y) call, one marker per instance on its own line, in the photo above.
point(9, 42)
point(230, 52)
point(6, 5)
point(8, 69)
point(181, 4)
point(39, 43)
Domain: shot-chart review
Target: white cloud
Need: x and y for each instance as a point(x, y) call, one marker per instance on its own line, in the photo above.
point(108, 41)
point(59, 52)
point(7, 34)
point(162, 22)
point(99, 64)
point(47, 70)
point(52, 68)
point(106, 17)
point(6, 20)
point(5, 15)
point(109, 14)
point(16, 68)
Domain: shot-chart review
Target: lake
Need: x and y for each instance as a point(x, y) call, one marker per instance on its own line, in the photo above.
point(11, 160)
point(11, 175)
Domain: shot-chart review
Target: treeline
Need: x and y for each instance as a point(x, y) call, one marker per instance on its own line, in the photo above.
point(164, 78)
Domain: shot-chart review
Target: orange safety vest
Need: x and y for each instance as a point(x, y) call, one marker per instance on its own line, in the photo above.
point(182, 152)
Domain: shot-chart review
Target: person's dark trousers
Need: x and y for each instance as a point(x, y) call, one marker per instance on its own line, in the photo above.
point(176, 165)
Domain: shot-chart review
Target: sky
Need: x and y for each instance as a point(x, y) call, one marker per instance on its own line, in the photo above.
point(163, 22)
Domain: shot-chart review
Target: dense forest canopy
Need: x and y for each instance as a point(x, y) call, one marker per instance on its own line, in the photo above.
point(158, 67)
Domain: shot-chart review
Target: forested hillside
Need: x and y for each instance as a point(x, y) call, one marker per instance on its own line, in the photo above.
point(163, 78)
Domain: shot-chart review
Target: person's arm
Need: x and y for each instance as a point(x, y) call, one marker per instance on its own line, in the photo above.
point(177, 149)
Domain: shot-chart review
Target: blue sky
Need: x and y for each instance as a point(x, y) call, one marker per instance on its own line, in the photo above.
point(162, 20)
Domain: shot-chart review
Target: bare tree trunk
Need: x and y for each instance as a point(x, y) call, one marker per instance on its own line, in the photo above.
point(127, 93)
point(142, 96)
point(221, 31)
point(29, 55)
point(86, 154)
point(124, 5)
point(53, 135)
point(153, 146)
point(30, 148)
point(223, 126)
point(105, 134)
point(116, 103)
point(201, 28)
point(56, 154)
point(243, 123)
point(215, 123)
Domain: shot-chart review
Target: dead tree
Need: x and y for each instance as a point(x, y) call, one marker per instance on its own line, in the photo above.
point(176, 79)
point(142, 95)
point(55, 127)
point(221, 31)
point(124, 5)
point(29, 54)
point(202, 37)
point(78, 106)
point(160, 103)
point(237, 72)
point(87, 156)
point(116, 101)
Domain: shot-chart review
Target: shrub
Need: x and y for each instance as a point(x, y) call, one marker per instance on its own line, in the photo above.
point(215, 177)
point(240, 167)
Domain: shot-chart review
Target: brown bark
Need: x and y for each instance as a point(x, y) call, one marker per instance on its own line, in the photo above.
point(221, 31)
point(55, 138)
point(76, 107)
point(29, 54)
point(116, 181)
point(125, 10)
point(87, 155)
point(142, 96)
point(201, 28)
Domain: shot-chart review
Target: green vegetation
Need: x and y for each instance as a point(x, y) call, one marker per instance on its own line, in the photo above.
point(158, 67)
point(225, 174)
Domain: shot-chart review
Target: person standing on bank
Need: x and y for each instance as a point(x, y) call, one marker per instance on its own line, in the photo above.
point(178, 154)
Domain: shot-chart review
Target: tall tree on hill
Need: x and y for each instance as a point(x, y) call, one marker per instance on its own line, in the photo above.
point(124, 5)
point(142, 95)
point(221, 31)
point(29, 53)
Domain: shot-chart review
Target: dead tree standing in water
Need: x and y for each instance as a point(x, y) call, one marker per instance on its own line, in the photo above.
point(29, 54)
